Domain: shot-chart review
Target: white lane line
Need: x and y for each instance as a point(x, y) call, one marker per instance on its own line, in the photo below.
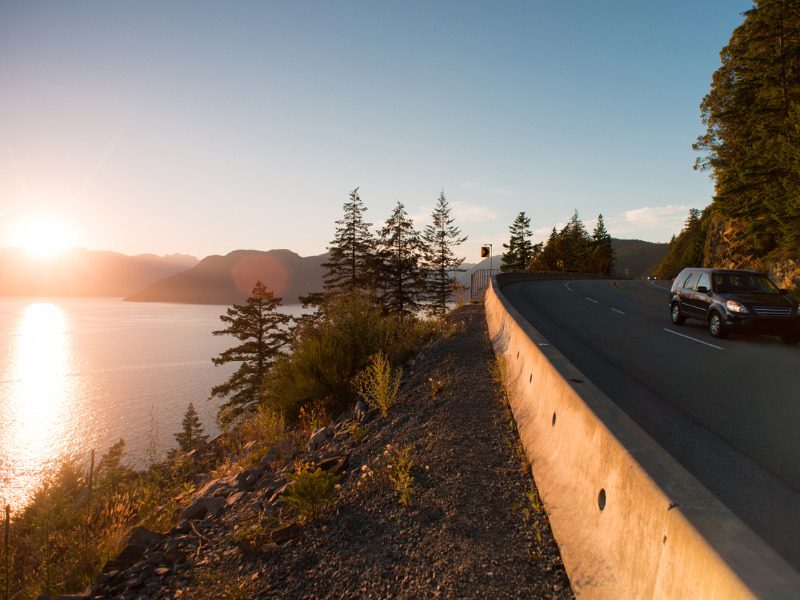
point(616, 310)
point(569, 289)
point(592, 300)
point(688, 337)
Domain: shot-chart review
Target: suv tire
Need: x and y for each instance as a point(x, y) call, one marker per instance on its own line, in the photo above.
point(716, 326)
point(676, 314)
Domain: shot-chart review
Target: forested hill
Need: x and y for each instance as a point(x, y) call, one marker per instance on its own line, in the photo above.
point(636, 258)
point(81, 272)
point(751, 148)
point(229, 279)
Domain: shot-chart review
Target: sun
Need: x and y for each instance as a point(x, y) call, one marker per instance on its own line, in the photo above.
point(43, 236)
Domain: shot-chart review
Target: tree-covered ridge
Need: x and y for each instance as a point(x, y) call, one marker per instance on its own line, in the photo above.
point(752, 141)
point(574, 250)
point(687, 248)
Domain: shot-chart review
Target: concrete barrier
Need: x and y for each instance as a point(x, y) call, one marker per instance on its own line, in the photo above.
point(629, 520)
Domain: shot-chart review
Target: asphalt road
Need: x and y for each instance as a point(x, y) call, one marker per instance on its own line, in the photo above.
point(728, 410)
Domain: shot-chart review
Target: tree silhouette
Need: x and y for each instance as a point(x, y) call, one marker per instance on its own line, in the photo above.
point(441, 237)
point(519, 250)
point(191, 435)
point(351, 251)
point(399, 269)
point(263, 332)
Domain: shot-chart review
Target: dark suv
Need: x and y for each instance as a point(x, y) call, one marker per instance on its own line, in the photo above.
point(734, 300)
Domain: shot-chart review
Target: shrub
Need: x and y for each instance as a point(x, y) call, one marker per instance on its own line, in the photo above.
point(327, 352)
point(378, 384)
point(311, 492)
point(399, 470)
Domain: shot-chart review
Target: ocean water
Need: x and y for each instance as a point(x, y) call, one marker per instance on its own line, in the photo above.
point(79, 374)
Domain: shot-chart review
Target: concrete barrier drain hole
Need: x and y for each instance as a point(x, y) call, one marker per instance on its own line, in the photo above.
point(601, 499)
point(530, 379)
point(554, 419)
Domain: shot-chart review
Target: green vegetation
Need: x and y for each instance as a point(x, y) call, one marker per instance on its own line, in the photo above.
point(519, 249)
point(685, 250)
point(398, 468)
point(752, 137)
point(311, 492)
point(751, 148)
point(291, 375)
point(573, 250)
point(191, 435)
point(263, 332)
point(441, 237)
point(378, 383)
point(398, 265)
point(351, 251)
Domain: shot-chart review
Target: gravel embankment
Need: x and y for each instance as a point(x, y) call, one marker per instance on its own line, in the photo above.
point(474, 527)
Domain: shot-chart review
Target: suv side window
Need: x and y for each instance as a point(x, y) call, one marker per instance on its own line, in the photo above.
point(690, 281)
point(703, 281)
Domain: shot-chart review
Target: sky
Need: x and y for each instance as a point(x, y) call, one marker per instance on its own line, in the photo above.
point(205, 127)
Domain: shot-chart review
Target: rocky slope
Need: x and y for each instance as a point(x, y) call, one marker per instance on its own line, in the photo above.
point(474, 527)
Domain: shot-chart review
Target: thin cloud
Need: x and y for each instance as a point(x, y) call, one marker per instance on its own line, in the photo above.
point(649, 222)
point(466, 212)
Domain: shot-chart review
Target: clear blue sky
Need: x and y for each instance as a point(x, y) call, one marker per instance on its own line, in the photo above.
point(203, 127)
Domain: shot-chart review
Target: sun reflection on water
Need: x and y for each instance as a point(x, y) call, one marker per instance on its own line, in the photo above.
point(33, 421)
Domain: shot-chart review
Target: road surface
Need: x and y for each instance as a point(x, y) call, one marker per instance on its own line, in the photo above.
point(728, 410)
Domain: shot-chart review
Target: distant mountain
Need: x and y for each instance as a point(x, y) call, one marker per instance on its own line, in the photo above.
point(229, 279)
point(81, 272)
point(636, 258)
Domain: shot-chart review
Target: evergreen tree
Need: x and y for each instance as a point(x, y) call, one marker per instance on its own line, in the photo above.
point(351, 251)
point(685, 250)
point(399, 269)
point(602, 254)
point(263, 333)
point(519, 250)
point(752, 139)
point(440, 238)
point(576, 246)
point(192, 434)
point(547, 259)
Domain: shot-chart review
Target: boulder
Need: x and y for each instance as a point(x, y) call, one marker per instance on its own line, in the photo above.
point(319, 437)
point(293, 531)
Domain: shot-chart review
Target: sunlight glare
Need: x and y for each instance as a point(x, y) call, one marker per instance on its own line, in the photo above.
point(43, 236)
point(33, 419)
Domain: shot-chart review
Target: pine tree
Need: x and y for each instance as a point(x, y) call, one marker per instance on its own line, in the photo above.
point(752, 139)
point(263, 333)
point(547, 259)
point(351, 251)
point(576, 245)
point(399, 268)
point(602, 254)
point(519, 250)
point(685, 249)
point(192, 434)
point(440, 238)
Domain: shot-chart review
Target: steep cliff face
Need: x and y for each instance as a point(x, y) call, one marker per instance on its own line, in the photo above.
point(726, 248)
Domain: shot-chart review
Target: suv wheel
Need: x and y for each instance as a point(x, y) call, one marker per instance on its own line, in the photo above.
point(790, 338)
point(675, 313)
point(716, 325)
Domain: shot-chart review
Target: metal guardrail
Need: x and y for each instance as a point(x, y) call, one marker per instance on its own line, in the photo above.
point(478, 283)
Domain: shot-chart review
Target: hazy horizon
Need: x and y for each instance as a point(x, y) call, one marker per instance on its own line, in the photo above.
point(201, 128)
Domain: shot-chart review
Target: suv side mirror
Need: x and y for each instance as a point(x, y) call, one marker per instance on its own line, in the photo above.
point(784, 291)
point(702, 289)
